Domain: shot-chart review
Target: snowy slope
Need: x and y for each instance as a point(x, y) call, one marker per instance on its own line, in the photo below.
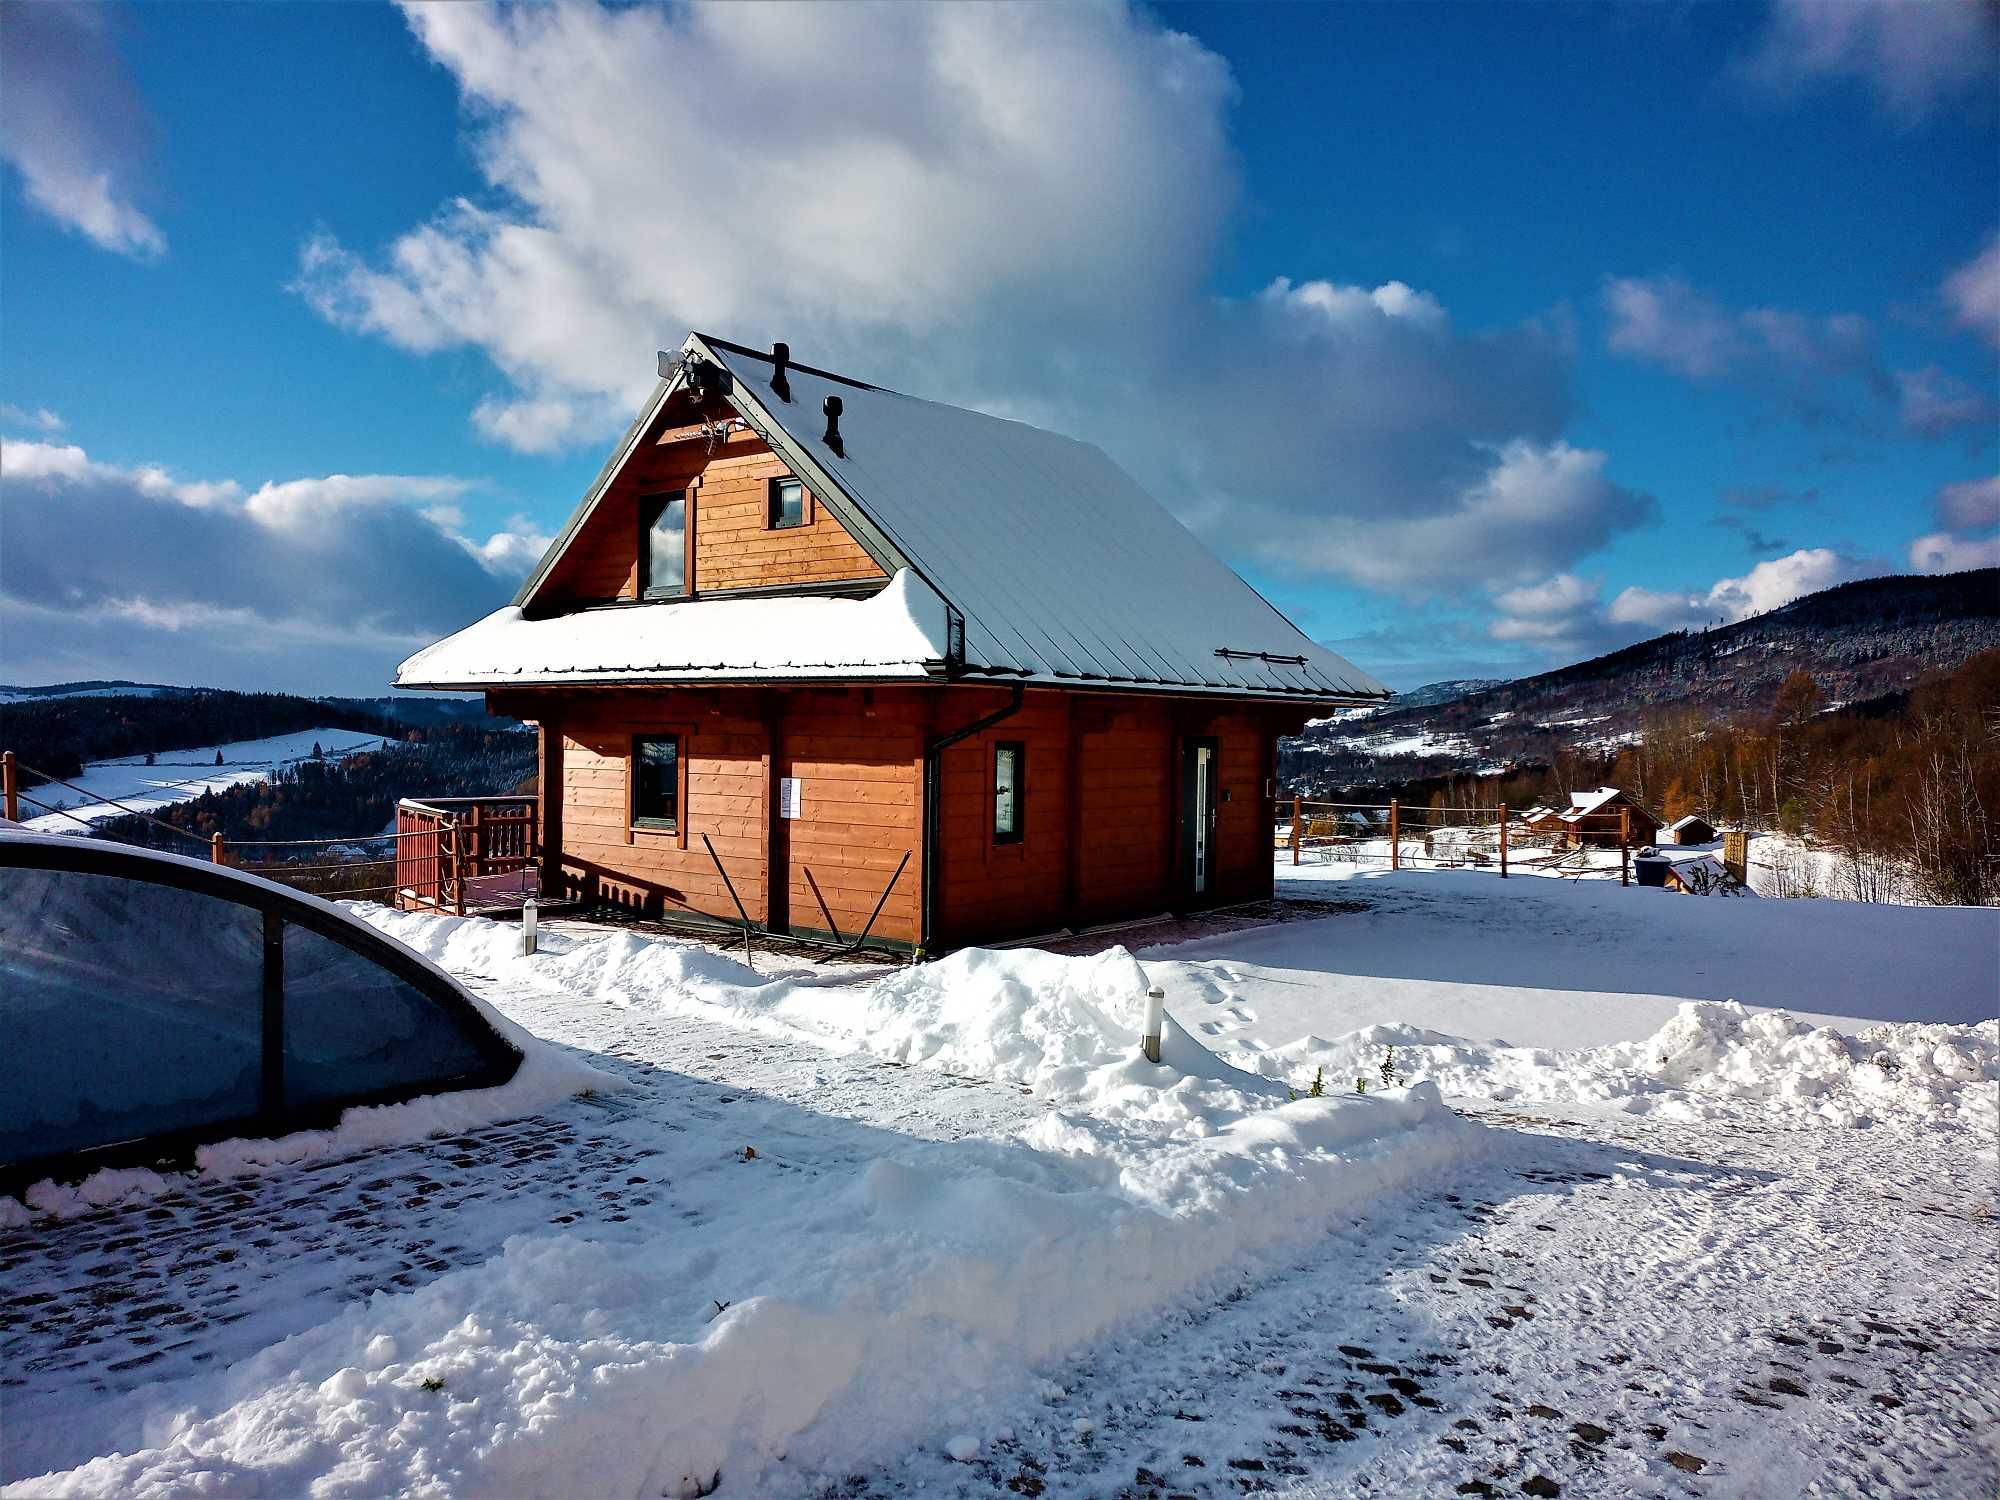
point(178, 776)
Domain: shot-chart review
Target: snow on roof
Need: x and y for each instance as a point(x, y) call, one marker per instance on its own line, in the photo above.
point(1681, 823)
point(1581, 804)
point(1064, 570)
point(896, 633)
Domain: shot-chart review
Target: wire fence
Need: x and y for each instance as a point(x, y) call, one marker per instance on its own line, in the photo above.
point(1570, 843)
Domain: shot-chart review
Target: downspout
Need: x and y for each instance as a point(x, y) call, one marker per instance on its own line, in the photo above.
point(933, 782)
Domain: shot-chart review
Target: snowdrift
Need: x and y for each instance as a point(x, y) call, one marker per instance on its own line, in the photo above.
point(1713, 1058)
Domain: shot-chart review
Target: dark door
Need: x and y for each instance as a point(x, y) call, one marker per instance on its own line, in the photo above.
point(1198, 819)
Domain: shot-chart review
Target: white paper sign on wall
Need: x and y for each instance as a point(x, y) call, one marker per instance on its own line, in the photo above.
point(788, 796)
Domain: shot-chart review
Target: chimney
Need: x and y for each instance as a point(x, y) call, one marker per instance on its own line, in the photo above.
point(781, 355)
point(832, 437)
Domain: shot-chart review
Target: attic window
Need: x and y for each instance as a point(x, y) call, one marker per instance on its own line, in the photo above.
point(787, 505)
point(663, 546)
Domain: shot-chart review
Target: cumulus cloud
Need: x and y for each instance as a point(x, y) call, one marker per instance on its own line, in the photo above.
point(1968, 517)
point(1765, 587)
point(1941, 552)
point(1972, 292)
point(71, 124)
point(1015, 208)
point(1913, 55)
point(342, 563)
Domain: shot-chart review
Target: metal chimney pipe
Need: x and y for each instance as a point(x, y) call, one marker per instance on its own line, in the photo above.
point(832, 437)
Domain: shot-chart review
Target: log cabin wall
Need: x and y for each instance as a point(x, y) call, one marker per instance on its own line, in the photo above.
point(730, 543)
point(857, 754)
point(605, 860)
point(1102, 774)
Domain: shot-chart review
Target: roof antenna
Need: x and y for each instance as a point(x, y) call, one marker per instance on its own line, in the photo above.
point(832, 438)
point(781, 355)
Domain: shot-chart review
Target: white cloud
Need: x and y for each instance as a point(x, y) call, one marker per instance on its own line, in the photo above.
point(818, 173)
point(1914, 54)
point(366, 564)
point(1765, 587)
point(1013, 208)
point(1941, 552)
point(40, 418)
point(1935, 402)
point(1970, 505)
point(1972, 292)
point(1535, 508)
point(72, 125)
point(1669, 322)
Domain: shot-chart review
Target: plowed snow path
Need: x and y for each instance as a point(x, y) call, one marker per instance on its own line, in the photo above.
point(1619, 1308)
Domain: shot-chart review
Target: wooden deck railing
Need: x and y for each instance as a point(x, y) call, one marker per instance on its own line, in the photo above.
point(451, 850)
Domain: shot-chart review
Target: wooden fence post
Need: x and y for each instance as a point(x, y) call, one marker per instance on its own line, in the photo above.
point(1503, 841)
point(13, 787)
point(1395, 834)
point(1624, 846)
point(1296, 804)
point(217, 853)
point(452, 826)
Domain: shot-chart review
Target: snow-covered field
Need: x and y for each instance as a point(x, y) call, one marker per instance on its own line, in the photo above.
point(178, 776)
point(945, 1231)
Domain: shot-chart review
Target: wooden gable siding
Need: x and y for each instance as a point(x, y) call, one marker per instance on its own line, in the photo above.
point(734, 548)
point(730, 545)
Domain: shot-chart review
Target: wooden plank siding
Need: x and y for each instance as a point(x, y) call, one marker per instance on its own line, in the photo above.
point(1100, 806)
point(730, 543)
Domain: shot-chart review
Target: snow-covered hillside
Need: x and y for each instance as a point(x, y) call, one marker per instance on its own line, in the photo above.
point(945, 1230)
point(177, 776)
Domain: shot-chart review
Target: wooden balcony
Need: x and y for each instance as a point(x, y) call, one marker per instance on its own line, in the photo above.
point(460, 854)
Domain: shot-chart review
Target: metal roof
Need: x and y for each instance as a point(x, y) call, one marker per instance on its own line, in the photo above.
point(1063, 569)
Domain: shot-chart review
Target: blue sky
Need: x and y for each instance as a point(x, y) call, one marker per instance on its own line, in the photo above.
point(1480, 337)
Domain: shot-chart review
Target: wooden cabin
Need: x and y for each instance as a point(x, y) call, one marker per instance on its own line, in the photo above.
point(844, 660)
point(1689, 830)
point(1593, 818)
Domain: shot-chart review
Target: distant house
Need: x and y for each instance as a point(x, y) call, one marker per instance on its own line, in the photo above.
point(840, 655)
point(1689, 830)
point(1543, 819)
point(1594, 818)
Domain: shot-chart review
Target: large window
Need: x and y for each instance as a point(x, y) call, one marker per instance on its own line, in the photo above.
point(663, 545)
point(788, 504)
point(656, 782)
point(1009, 764)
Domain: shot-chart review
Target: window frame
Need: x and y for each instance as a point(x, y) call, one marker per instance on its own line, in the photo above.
point(653, 506)
point(771, 490)
point(675, 827)
point(1019, 750)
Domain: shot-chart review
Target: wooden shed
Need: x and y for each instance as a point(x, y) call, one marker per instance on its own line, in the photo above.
point(1599, 817)
point(1690, 830)
point(871, 659)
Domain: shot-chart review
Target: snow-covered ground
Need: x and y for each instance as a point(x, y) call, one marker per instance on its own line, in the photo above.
point(946, 1231)
point(178, 776)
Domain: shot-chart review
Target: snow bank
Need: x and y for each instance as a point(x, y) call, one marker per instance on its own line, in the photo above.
point(1713, 1058)
point(806, 1322)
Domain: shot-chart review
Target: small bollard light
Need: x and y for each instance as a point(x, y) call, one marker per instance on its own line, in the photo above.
point(528, 926)
point(1155, 1018)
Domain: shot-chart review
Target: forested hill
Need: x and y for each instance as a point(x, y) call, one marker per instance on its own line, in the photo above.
point(1857, 641)
point(57, 734)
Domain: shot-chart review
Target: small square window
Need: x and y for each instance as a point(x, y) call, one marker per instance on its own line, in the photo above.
point(1009, 765)
point(788, 504)
point(656, 783)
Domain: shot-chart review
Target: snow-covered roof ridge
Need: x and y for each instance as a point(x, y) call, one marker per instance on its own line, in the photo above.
point(899, 632)
point(1683, 822)
point(1063, 569)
